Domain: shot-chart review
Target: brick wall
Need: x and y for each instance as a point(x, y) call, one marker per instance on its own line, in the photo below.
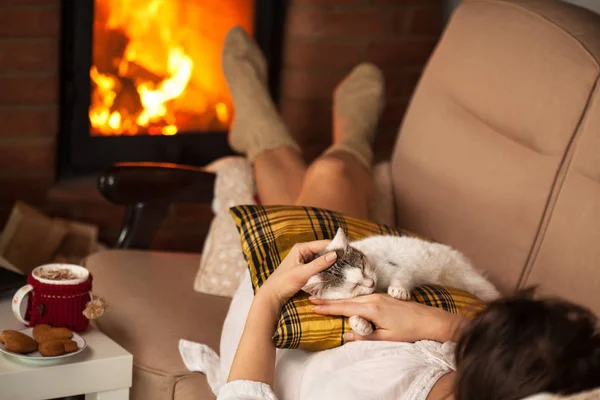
point(28, 99)
point(29, 87)
point(324, 39)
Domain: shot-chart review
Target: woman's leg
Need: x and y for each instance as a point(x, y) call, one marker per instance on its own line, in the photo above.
point(340, 180)
point(279, 174)
point(258, 130)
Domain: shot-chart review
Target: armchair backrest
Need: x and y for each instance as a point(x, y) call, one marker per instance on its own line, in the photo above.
point(499, 153)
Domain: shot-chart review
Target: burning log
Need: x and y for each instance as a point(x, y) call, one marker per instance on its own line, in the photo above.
point(136, 72)
point(127, 98)
point(109, 49)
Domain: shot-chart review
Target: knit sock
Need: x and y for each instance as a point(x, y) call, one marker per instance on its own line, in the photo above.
point(357, 105)
point(257, 126)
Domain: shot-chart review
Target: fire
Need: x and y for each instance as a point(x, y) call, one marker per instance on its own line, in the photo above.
point(154, 98)
point(156, 65)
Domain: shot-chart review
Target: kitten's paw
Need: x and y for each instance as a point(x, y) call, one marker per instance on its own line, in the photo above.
point(360, 325)
point(399, 292)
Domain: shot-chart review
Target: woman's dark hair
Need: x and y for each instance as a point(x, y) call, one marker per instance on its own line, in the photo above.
point(519, 346)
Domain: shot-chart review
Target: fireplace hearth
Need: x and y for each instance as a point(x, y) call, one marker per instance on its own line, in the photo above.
point(141, 80)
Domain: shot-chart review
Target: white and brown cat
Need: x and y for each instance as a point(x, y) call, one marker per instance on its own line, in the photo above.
point(393, 265)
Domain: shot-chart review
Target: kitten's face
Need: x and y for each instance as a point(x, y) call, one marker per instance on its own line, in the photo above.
point(350, 276)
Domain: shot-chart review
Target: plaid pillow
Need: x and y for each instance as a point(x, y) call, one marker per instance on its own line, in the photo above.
point(268, 234)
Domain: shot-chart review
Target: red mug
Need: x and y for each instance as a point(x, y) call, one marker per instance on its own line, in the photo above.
point(58, 303)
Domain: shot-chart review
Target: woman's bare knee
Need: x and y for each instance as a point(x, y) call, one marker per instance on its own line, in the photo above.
point(336, 184)
point(329, 168)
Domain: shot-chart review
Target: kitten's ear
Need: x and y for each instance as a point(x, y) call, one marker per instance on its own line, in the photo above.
point(314, 285)
point(340, 241)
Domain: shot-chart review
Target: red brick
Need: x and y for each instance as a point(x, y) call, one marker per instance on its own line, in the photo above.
point(29, 89)
point(103, 215)
point(34, 55)
point(23, 155)
point(394, 83)
point(5, 209)
point(313, 149)
point(25, 187)
point(29, 21)
point(19, 122)
point(400, 52)
point(426, 20)
point(298, 84)
point(306, 117)
point(385, 142)
point(400, 83)
point(411, 80)
point(310, 54)
point(358, 24)
point(310, 123)
point(401, 19)
point(393, 113)
point(77, 191)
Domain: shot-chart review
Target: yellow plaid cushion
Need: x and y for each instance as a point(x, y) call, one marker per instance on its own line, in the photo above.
point(268, 234)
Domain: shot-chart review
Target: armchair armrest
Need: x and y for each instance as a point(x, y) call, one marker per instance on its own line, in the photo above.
point(131, 183)
point(147, 190)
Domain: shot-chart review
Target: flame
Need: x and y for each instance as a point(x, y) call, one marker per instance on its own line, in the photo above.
point(222, 112)
point(153, 100)
point(156, 65)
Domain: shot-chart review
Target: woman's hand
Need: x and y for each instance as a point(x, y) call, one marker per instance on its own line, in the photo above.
point(396, 320)
point(295, 270)
point(255, 356)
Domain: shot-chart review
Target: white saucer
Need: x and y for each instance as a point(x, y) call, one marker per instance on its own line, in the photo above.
point(37, 357)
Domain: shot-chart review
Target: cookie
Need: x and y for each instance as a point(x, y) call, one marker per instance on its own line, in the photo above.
point(57, 347)
point(18, 342)
point(70, 345)
point(51, 348)
point(43, 333)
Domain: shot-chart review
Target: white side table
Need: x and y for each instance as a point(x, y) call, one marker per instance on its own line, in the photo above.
point(102, 371)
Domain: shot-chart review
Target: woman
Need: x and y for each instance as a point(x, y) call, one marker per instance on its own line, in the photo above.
point(515, 348)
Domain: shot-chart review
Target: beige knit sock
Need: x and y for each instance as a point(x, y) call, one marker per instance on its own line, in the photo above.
point(357, 105)
point(257, 126)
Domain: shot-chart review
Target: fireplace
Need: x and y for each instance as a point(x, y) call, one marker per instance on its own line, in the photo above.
point(322, 41)
point(141, 80)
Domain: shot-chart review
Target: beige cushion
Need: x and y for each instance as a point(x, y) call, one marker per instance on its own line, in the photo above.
point(485, 136)
point(151, 306)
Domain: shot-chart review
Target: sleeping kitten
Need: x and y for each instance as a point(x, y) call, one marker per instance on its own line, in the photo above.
point(393, 265)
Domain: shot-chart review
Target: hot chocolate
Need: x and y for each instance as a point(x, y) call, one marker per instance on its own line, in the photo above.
point(61, 274)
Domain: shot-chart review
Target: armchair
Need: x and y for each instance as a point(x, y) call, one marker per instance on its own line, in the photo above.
point(497, 156)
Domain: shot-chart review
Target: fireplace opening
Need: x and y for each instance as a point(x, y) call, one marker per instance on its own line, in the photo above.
point(142, 80)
